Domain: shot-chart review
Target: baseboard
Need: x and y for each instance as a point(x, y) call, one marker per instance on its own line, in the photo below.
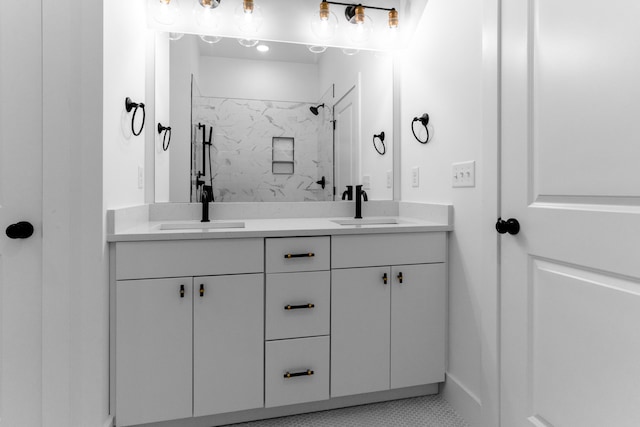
point(108, 422)
point(465, 403)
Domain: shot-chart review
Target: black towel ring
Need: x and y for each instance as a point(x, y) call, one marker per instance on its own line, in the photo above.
point(424, 119)
point(381, 138)
point(166, 138)
point(129, 105)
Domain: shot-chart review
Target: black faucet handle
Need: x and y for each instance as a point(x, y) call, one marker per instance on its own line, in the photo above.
point(364, 196)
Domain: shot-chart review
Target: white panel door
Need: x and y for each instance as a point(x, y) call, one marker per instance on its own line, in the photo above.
point(153, 350)
point(228, 343)
point(346, 141)
point(570, 280)
point(418, 316)
point(360, 328)
point(20, 200)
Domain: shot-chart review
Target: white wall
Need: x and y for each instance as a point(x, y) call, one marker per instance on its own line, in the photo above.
point(442, 75)
point(376, 77)
point(125, 41)
point(250, 79)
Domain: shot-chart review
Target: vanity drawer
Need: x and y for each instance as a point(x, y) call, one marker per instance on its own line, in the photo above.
point(175, 258)
point(368, 250)
point(297, 304)
point(297, 254)
point(297, 357)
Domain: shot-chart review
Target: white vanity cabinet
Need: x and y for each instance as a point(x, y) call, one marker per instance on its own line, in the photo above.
point(188, 345)
point(388, 300)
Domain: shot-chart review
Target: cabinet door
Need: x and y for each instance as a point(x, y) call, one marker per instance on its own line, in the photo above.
point(360, 328)
point(153, 350)
point(418, 324)
point(228, 343)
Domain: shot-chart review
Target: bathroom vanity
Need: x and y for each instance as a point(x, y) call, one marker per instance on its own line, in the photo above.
point(273, 317)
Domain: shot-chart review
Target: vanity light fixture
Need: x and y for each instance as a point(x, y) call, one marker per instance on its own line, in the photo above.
point(323, 24)
point(175, 36)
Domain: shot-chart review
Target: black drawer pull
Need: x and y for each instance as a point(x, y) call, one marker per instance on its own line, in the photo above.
point(297, 307)
point(400, 277)
point(201, 290)
point(385, 278)
point(181, 291)
point(307, 255)
point(298, 374)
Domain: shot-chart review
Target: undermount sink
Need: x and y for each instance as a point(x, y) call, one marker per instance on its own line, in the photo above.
point(366, 221)
point(197, 225)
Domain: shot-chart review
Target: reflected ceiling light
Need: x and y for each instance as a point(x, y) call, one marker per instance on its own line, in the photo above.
point(248, 42)
point(175, 36)
point(205, 16)
point(317, 49)
point(262, 48)
point(324, 22)
point(210, 39)
point(165, 11)
point(248, 17)
point(350, 52)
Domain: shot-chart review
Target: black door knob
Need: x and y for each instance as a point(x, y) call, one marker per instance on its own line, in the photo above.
point(511, 226)
point(20, 230)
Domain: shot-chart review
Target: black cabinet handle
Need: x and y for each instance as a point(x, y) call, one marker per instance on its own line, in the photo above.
point(385, 279)
point(307, 255)
point(297, 307)
point(201, 290)
point(306, 373)
point(400, 277)
point(181, 291)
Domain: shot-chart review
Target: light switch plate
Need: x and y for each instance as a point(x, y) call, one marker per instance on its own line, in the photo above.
point(366, 182)
point(464, 174)
point(140, 177)
point(415, 177)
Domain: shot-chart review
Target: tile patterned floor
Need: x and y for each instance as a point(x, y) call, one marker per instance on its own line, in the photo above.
point(427, 411)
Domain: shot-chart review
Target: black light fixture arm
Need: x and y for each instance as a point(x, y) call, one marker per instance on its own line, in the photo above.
point(354, 4)
point(130, 105)
point(166, 138)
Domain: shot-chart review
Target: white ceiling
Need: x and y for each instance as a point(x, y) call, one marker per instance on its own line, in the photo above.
point(278, 51)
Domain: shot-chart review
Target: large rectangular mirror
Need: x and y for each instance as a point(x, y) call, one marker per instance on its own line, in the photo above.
point(276, 125)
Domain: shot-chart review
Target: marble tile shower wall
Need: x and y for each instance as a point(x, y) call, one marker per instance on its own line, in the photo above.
point(241, 151)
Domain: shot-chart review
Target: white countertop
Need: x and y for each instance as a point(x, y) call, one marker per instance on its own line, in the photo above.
point(281, 227)
point(144, 222)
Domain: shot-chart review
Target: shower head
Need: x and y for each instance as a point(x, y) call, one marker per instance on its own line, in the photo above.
point(314, 110)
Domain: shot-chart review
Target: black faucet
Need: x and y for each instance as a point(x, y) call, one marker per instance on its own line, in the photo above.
point(205, 206)
point(348, 193)
point(360, 196)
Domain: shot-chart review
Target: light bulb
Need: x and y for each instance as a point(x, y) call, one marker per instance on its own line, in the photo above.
point(324, 22)
point(360, 26)
point(164, 11)
point(206, 16)
point(248, 17)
